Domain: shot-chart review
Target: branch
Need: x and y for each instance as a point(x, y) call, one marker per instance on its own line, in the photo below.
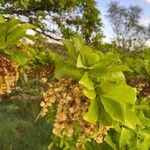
point(43, 31)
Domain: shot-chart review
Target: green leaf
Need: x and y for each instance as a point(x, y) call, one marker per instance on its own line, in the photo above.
point(144, 120)
point(13, 22)
point(67, 69)
point(89, 93)
point(8, 52)
point(92, 114)
point(125, 134)
point(109, 141)
point(89, 57)
point(16, 33)
point(145, 145)
point(25, 3)
point(104, 117)
point(30, 37)
point(115, 76)
point(147, 65)
point(41, 57)
point(54, 56)
point(133, 140)
point(118, 67)
point(87, 82)
point(71, 49)
point(20, 57)
point(63, 68)
point(78, 43)
point(119, 92)
point(80, 63)
point(2, 20)
point(114, 108)
point(131, 119)
point(2, 41)
point(135, 148)
point(98, 71)
point(3, 28)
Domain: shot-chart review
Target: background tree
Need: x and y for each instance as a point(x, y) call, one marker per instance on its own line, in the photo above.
point(57, 18)
point(129, 33)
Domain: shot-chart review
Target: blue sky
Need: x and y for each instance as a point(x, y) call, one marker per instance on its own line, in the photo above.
point(102, 5)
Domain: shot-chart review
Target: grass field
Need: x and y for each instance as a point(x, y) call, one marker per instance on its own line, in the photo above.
point(17, 128)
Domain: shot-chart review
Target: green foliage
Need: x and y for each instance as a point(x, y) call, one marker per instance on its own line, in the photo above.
point(11, 32)
point(98, 77)
point(139, 62)
point(112, 101)
point(92, 114)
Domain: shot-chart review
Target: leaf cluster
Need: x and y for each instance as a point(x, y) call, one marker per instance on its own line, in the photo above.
point(112, 101)
point(11, 32)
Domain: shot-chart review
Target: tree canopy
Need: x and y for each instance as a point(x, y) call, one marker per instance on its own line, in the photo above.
point(57, 19)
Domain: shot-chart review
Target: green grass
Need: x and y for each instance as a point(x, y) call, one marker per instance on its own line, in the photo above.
point(17, 128)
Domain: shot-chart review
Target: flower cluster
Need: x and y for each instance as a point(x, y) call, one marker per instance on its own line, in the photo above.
point(8, 74)
point(72, 105)
point(39, 72)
